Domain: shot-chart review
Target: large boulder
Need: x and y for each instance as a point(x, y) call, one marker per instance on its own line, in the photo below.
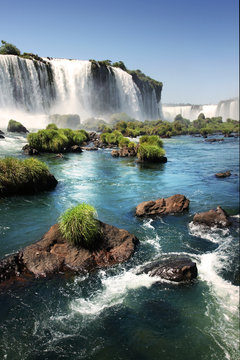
point(217, 217)
point(172, 267)
point(53, 254)
point(15, 126)
point(171, 205)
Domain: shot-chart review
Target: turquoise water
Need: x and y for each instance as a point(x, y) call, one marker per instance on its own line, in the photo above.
point(116, 314)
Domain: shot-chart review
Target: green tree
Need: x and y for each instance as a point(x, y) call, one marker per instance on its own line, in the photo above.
point(9, 49)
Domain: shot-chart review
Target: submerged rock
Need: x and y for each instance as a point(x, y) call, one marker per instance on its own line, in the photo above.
point(115, 153)
point(53, 254)
point(171, 205)
point(174, 268)
point(217, 217)
point(15, 126)
point(223, 174)
point(214, 140)
point(2, 137)
point(90, 148)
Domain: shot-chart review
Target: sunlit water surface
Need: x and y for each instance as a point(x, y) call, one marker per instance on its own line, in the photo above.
point(116, 314)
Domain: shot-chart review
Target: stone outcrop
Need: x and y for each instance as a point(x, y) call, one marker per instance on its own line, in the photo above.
point(53, 254)
point(15, 126)
point(124, 152)
point(28, 150)
point(2, 136)
point(171, 205)
point(210, 218)
point(174, 268)
point(223, 174)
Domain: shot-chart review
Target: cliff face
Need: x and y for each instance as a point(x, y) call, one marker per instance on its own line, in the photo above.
point(148, 91)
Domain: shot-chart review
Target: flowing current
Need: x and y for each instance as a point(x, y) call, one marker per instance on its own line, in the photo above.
point(115, 313)
point(31, 90)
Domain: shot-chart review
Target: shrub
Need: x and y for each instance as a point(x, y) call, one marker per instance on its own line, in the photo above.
point(52, 127)
point(17, 176)
point(9, 49)
point(51, 140)
point(124, 142)
point(151, 140)
point(79, 226)
point(150, 152)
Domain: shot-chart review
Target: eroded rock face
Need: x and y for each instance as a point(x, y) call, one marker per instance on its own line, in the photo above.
point(52, 254)
point(223, 174)
point(217, 217)
point(174, 268)
point(171, 205)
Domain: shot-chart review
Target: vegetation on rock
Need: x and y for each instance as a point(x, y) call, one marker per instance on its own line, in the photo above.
point(52, 140)
point(79, 226)
point(8, 49)
point(150, 149)
point(24, 176)
point(15, 126)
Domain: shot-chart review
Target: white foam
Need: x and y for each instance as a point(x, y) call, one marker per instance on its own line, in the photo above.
point(113, 292)
point(213, 234)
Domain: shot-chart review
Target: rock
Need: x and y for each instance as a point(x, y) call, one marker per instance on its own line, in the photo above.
point(125, 151)
point(75, 149)
point(1, 132)
point(223, 174)
point(28, 150)
point(60, 155)
point(90, 148)
point(115, 153)
point(171, 205)
point(217, 217)
point(15, 126)
point(2, 137)
point(214, 140)
point(174, 268)
point(53, 254)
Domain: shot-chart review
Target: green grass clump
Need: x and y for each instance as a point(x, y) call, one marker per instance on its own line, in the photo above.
point(56, 140)
point(17, 176)
point(112, 138)
point(79, 226)
point(52, 127)
point(150, 148)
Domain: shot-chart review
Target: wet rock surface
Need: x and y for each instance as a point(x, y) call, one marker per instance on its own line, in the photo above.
point(223, 174)
point(174, 268)
point(171, 205)
point(210, 218)
point(52, 254)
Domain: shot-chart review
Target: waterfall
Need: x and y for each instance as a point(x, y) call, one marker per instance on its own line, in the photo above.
point(33, 90)
point(226, 109)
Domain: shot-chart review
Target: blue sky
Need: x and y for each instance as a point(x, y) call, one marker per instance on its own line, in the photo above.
point(192, 46)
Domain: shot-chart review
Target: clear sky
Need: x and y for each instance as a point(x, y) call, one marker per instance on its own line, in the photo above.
point(192, 46)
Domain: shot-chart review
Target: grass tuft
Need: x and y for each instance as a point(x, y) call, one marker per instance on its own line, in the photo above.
point(79, 226)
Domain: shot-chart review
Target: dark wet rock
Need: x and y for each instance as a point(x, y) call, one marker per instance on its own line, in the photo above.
point(75, 149)
point(214, 140)
point(15, 126)
point(60, 155)
point(1, 132)
point(223, 174)
point(160, 160)
point(217, 217)
point(115, 153)
point(28, 150)
point(171, 205)
point(174, 268)
point(126, 151)
point(53, 254)
point(2, 137)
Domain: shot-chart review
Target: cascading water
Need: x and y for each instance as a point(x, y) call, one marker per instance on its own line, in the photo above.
point(31, 90)
point(226, 109)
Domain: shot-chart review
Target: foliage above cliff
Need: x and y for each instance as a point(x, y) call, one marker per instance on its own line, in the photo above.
point(9, 49)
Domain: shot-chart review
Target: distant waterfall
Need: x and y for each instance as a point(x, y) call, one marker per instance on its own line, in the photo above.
point(226, 109)
point(29, 88)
